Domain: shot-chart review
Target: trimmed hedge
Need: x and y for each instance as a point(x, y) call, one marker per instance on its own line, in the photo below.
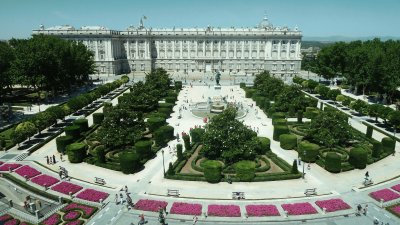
point(250, 92)
point(62, 143)
point(311, 151)
point(143, 149)
point(166, 105)
point(369, 132)
point(311, 112)
point(212, 171)
point(157, 114)
point(163, 134)
point(178, 85)
point(179, 154)
point(299, 116)
point(76, 152)
point(242, 85)
point(155, 122)
point(358, 157)
point(197, 135)
point(83, 124)
point(98, 118)
point(170, 99)
point(279, 121)
point(186, 142)
point(278, 115)
point(376, 149)
point(100, 154)
point(165, 111)
point(333, 162)
point(264, 145)
point(129, 162)
point(388, 145)
point(260, 101)
point(288, 141)
point(279, 130)
point(73, 131)
point(245, 170)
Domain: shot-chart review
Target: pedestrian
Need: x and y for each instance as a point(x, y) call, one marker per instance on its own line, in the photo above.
point(50, 160)
point(61, 157)
point(54, 159)
point(121, 198)
point(367, 174)
point(47, 160)
point(142, 221)
point(60, 173)
point(195, 220)
point(116, 199)
point(38, 203)
point(359, 208)
point(365, 210)
point(126, 189)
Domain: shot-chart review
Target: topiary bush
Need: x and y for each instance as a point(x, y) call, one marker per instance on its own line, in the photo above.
point(388, 144)
point(279, 121)
point(143, 149)
point(100, 154)
point(129, 162)
point(249, 92)
point(170, 99)
point(155, 122)
point(62, 142)
point(288, 141)
point(212, 171)
point(358, 157)
point(294, 170)
point(333, 162)
point(279, 130)
point(165, 111)
point(299, 116)
point(76, 152)
point(73, 131)
point(98, 118)
point(308, 151)
point(163, 134)
point(278, 115)
point(179, 154)
point(83, 124)
point(245, 170)
point(369, 132)
point(166, 105)
point(197, 135)
point(311, 112)
point(178, 85)
point(264, 145)
point(376, 149)
point(260, 101)
point(186, 142)
point(242, 85)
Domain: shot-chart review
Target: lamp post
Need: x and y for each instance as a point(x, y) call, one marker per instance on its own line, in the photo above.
point(163, 164)
point(304, 155)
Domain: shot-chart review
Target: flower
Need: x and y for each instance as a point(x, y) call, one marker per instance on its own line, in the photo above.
point(12, 222)
point(186, 208)
point(52, 220)
point(8, 166)
point(396, 187)
point(150, 205)
point(395, 209)
point(332, 205)
point(262, 210)
point(5, 217)
point(45, 180)
point(303, 208)
point(71, 215)
point(385, 194)
point(27, 171)
point(66, 187)
point(224, 210)
point(87, 210)
point(75, 222)
point(92, 195)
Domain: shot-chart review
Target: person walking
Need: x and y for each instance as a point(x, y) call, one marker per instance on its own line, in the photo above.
point(116, 199)
point(195, 220)
point(365, 210)
point(47, 159)
point(54, 159)
point(61, 157)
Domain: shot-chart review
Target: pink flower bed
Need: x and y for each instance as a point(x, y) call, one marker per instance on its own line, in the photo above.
point(385, 194)
point(186, 208)
point(262, 210)
point(1, 162)
point(150, 205)
point(224, 210)
point(395, 209)
point(66, 187)
point(8, 166)
point(45, 180)
point(92, 195)
point(396, 187)
point(5, 217)
point(302, 208)
point(52, 220)
point(71, 215)
point(12, 222)
point(87, 210)
point(75, 222)
point(332, 205)
point(27, 171)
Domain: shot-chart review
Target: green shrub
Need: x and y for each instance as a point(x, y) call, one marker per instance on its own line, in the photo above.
point(370, 129)
point(279, 130)
point(73, 131)
point(179, 154)
point(358, 157)
point(264, 145)
point(165, 111)
point(178, 85)
point(100, 154)
point(278, 115)
point(333, 162)
point(299, 116)
point(163, 134)
point(129, 162)
point(62, 143)
point(170, 170)
point(197, 135)
point(376, 149)
point(186, 141)
point(245, 170)
point(340, 98)
point(143, 149)
point(333, 93)
point(311, 112)
point(98, 118)
point(288, 141)
point(260, 101)
point(388, 145)
point(166, 105)
point(308, 151)
point(242, 85)
point(294, 167)
point(212, 171)
point(170, 99)
point(155, 122)
point(279, 121)
point(83, 124)
point(250, 92)
point(157, 114)
point(76, 152)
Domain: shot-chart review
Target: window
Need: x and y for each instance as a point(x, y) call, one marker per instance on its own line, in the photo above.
point(283, 66)
point(274, 66)
point(133, 67)
point(291, 66)
point(142, 66)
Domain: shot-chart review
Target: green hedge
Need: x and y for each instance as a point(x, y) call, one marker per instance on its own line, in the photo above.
point(311, 112)
point(260, 101)
point(376, 149)
point(155, 122)
point(242, 85)
point(250, 92)
point(178, 85)
point(186, 141)
point(166, 105)
point(311, 151)
point(143, 149)
point(171, 100)
point(83, 124)
point(278, 115)
point(163, 134)
point(129, 162)
point(245, 170)
point(279, 130)
point(98, 118)
point(179, 154)
point(358, 157)
point(264, 145)
point(288, 141)
point(197, 135)
point(279, 121)
point(76, 152)
point(62, 143)
point(157, 114)
point(73, 131)
point(165, 111)
point(100, 154)
point(333, 162)
point(212, 171)
point(370, 129)
point(388, 145)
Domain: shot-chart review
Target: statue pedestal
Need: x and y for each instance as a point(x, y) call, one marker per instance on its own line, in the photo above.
point(217, 87)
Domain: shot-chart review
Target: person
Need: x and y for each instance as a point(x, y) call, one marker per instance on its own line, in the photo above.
point(195, 220)
point(365, 210)
point(126, 189)
point(367, 174)
point(116, 199)
point(48, 160)
point(54, 159)
point(141, 221)
point(61, 157)
point(359, 208)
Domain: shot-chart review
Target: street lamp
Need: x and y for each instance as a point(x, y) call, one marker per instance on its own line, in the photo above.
point(304, 155)
point(163, 164)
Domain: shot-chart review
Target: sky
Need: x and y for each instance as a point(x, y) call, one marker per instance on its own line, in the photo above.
point(315, 18)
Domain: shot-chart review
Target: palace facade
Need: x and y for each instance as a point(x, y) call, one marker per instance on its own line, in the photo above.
point(189, 50)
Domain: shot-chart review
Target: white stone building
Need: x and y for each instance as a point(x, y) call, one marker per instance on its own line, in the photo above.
point(189, 50)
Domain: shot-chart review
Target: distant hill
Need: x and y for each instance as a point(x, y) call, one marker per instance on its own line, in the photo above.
point(346, 39)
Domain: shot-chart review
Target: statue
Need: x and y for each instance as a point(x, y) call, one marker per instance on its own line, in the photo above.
point(217, 78)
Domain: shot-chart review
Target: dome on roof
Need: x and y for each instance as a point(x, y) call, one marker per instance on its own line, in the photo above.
point(265, 23)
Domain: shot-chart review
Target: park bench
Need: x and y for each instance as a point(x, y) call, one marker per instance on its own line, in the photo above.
point(99, 180)
point(310, 191)
point(172, 192)
point(238, 195)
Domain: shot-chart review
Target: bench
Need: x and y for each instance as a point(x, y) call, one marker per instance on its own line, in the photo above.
point(172, 192)
point(238, 195)
point(99, 180)
point(368, 182)
point(311, 191)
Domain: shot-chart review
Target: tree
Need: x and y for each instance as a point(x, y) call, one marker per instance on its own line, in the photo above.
point(373, 111)
point(7, 55)
point(394, 119)
point(23, 131)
